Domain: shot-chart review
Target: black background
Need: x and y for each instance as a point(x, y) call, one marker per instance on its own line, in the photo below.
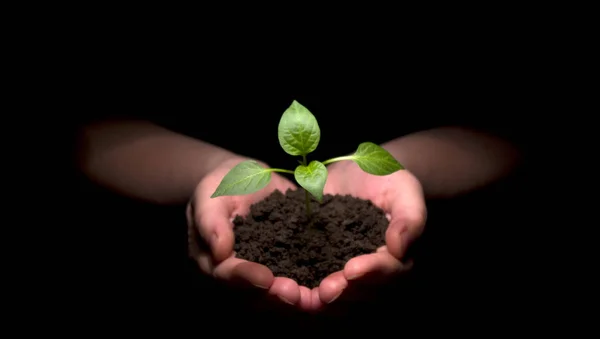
point(480, 253)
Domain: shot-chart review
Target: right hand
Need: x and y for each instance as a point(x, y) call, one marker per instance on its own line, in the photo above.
point(211, 238)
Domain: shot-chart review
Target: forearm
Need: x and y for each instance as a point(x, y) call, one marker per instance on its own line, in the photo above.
point(451, 161)
point(145, 161)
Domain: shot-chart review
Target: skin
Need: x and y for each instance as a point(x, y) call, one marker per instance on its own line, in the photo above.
point(470, 159)
point(401, 197)
point(212, 219)
point(143, 161)
point(146, 162)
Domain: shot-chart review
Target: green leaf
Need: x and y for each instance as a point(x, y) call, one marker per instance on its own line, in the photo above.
point(246, 177)
point(298, 131)
point(374, 159)
point(312, 178)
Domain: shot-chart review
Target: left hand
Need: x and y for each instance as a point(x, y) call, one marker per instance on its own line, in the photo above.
point(212, 236)
point(400, 196)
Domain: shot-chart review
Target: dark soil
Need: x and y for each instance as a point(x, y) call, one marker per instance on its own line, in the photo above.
point(278, 234)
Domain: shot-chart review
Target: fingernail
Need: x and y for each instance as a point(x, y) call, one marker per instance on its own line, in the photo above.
point(260, 286)
point(337, 296)
point(355, 276)
point(285, 300)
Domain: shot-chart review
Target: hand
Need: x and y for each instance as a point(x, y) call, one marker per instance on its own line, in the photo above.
point(400, 195)
point(211, 237)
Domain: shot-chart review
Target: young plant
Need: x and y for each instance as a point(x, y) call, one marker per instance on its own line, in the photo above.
point(299, 135)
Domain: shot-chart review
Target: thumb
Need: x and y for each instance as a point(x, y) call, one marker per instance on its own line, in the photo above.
point(406, 225)
point(215, 228)
point(408, 214)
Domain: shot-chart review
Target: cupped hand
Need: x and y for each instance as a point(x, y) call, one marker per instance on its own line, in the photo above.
point(210, 230)
point(400, 196)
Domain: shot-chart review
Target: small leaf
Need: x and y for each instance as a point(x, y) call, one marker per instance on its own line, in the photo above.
point(246, 177)
point(298, 131)
point(312, 178)
point(374, 159)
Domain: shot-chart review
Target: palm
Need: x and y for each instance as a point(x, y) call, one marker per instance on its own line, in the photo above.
point(214, 217)
point(242, 203)
point(400, 196)
point(342, 180)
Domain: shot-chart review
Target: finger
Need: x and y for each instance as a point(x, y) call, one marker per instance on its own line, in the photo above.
point(375, 267)
point(332, 287)
point(305, 298)
point(215, 227)
point(400, 235)
point(197, 247)
point(406, 224)
point(205, 261)
point(244, 274)
point(192, 234)
point(285, 289)
point(316, 304)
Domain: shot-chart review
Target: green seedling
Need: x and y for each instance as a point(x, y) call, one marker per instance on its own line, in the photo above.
point(299, 135)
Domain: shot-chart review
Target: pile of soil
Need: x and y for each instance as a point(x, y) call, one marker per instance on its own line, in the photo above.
point(278, 234)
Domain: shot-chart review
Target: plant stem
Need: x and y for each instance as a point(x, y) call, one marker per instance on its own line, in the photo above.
point(306, 194)
point(280, 170)
point(346, 157)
